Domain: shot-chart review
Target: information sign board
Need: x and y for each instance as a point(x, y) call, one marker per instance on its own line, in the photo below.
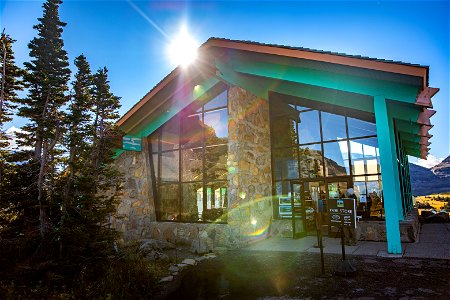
point(342, 212)
point(131, 143)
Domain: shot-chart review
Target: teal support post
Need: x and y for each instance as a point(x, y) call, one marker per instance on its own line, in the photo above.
point(389, 173)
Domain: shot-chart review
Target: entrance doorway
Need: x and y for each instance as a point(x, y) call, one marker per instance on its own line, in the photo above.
point(298, 210)
point(315, 195)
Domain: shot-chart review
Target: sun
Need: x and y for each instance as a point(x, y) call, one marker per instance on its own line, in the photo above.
point(182, 50)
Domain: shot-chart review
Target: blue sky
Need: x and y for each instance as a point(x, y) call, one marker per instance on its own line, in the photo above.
point(116, 35)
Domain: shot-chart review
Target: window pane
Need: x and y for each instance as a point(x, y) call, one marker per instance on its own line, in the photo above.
point(192, 164)
point(216, 162)
point(357, 128)
point(333, 127)
point(364, 156)
point(285, 163)
point(309, 127)
point(192, 202)
point(155, 164)
point(170, 166)
point(154, 141)
point(336, 158)
point(311, 161)
point(168, 205)
point(284, 132)
point(216, 202)
point(216, 127)
point(170, 134)
point(191, 131)
point(219, 101)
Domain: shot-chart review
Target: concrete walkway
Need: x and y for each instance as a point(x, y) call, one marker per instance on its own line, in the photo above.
point(434, 242)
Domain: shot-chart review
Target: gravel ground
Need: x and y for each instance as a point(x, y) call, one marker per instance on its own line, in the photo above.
point(287, 275)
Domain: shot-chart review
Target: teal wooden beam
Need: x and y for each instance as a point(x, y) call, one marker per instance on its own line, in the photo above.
point(179, 102)
point(261, 86)
point(388, 161)
point(326, 79)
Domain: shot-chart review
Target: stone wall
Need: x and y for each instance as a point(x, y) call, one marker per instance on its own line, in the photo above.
point(249, 191)
point(249, 161)
point(376, 230)
point(136, 209)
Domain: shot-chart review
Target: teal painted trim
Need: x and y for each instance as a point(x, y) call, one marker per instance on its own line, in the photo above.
point(338, 81)
point(388, 161)
point(261, 87)
point(197, 92)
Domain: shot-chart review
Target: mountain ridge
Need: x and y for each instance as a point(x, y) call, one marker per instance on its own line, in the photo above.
point(426, 181)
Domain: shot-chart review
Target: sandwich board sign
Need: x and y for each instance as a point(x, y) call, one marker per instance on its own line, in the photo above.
point(342, 212)
point(131, 143)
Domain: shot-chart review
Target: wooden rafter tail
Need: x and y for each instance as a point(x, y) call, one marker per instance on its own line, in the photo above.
point(423, 154)
point(425, 141)
point(424, 97)
point(423, 131)
point(425, 115)
point(424, 148)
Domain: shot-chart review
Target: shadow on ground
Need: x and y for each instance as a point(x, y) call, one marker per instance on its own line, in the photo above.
point(287, 275)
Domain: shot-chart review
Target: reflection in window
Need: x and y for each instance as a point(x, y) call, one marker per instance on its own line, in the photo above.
point(216, 162)
point(284, 132)
point(216, 127)
point(333, 127)
point(359, 128)
point(285, 163)
point(309, 127)
point(171, 134)
point(192, 164)
point(170, 166)
point(201, 194)
point(365, 156)
point(191, 131)
point(311, 165)
point(336, 158)
point(168, 205)
point(192, 202)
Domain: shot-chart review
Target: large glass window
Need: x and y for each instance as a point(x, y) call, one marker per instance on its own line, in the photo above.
point(310, 144)
point(190, 154)
point(309, 127)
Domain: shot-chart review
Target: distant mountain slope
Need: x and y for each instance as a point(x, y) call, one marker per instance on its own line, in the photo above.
point(442, 169)
point(428, 181)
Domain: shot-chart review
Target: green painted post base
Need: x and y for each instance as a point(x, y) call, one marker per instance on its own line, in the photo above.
point(389, 173)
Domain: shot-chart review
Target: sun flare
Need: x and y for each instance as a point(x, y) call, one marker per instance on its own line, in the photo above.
point(182, 49)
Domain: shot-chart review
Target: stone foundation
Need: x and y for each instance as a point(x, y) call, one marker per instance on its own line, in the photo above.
point(376, 230)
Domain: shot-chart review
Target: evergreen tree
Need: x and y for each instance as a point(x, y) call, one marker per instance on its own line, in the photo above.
point(10, 84)
point(47, 76)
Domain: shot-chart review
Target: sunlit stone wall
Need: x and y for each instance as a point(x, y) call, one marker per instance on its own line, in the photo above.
point(249, 186)
point(136, 209)
point(249, 162)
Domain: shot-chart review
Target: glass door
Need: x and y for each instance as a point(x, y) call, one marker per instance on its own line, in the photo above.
point(315, 196)
point(298, 211)
point(338, 187)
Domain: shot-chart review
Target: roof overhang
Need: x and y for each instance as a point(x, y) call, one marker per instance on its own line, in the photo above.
point(326, 77)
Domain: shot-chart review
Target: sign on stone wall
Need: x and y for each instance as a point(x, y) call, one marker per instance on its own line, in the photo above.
point(131, 143)
point(342, 212)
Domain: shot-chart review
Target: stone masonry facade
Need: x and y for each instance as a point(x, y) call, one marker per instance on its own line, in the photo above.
point(249, 186)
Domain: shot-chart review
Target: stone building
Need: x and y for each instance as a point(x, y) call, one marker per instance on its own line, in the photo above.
point(252, 139)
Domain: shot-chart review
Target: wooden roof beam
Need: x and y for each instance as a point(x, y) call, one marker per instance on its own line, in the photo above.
point(424, 97)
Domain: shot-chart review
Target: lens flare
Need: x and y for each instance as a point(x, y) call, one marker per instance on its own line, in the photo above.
point(182, 49)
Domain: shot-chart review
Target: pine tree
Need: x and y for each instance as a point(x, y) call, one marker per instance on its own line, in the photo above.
point(47, 77)
point(10, 84)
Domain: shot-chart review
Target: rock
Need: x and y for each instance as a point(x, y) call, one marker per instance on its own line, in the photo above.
point(174, 269)
point(200, 246)
point(189, 261)
point(166, 279)
point(441, 217)
point(181, 265)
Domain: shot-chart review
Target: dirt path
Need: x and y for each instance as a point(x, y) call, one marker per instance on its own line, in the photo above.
point(283, 275)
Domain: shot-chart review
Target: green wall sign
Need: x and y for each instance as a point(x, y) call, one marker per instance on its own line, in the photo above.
point(131, 143)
